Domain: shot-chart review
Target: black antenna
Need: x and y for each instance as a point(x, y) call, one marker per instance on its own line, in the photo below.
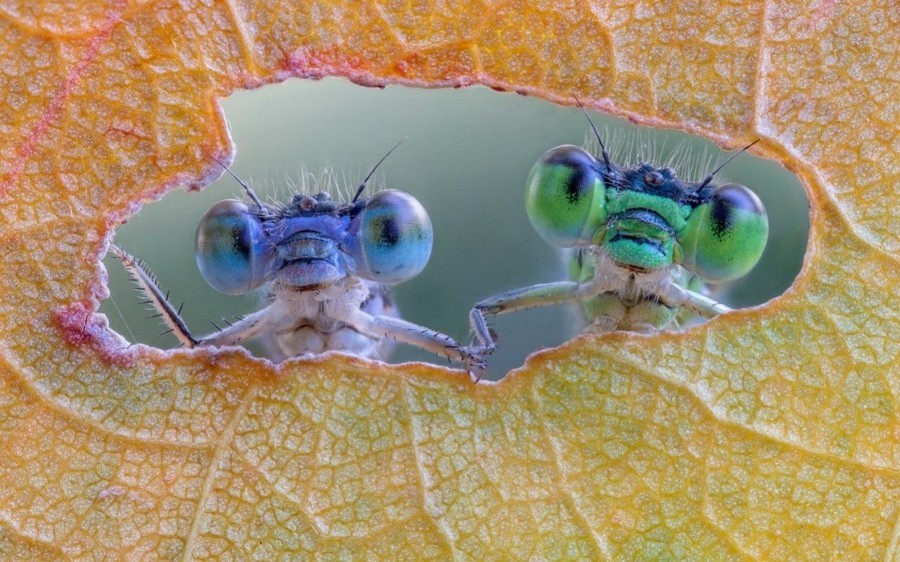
point(712, 174)
point(597, 134)
point(246, 187)
point(362, 186)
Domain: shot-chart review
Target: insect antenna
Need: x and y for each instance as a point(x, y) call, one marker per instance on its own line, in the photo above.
point(362, 186)
point(247, 188)
point(596, 134)
point(712, 174)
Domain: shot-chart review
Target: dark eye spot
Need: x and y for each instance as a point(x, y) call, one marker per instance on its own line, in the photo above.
point(721, 217)
point(653, 178)
point(730, 199)
point(576, 187)
point(386, 231)
point(234, 240)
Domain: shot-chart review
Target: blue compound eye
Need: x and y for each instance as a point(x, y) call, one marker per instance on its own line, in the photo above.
point(394, 238)
point(231, 248)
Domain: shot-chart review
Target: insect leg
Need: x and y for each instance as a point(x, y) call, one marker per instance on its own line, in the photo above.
point(418, 336)
point(678, 297)
point(245, 329)
point(147, 282)
point(526, 297)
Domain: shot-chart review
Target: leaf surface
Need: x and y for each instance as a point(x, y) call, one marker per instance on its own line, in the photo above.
point(769, 433)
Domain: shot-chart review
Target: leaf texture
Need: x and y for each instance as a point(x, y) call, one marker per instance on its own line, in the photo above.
point(769, 433)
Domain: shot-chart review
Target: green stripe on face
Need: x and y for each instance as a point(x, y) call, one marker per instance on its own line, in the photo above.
point(674, 213)
point(639, 252)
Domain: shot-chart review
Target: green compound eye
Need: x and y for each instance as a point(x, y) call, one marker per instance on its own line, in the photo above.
point(566, 196)
point(725, 236)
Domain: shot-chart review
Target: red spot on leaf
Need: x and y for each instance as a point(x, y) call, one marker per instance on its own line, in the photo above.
point(81, 327)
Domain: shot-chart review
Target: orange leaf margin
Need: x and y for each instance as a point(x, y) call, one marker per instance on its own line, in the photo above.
point(771, 433)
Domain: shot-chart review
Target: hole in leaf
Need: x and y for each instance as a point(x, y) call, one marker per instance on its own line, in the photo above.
point(466, 158)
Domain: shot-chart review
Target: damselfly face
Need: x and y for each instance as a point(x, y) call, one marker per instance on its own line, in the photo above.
point(645, 218)
point(643, 241)
point(313, 242)
point(325, 266)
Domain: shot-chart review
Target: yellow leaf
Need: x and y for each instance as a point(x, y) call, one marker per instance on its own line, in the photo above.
point(769, 433)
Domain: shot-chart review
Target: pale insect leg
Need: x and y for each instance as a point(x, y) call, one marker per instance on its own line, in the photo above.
point(415, 335)
point(247, 328)
point(155, 295)
point(527, 297)
point(678, 297)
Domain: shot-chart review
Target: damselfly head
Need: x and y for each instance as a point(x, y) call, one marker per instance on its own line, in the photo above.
point(645, 217)
point(313, 240)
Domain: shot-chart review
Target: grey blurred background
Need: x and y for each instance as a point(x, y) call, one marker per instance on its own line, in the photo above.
point(466, 155)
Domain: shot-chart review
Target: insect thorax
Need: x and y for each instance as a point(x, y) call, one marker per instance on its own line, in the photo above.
point(632, 303)
point(315, 320)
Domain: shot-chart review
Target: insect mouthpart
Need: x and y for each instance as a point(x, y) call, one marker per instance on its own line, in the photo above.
point(307, 245)
point(639, 240)
point(309, 259)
